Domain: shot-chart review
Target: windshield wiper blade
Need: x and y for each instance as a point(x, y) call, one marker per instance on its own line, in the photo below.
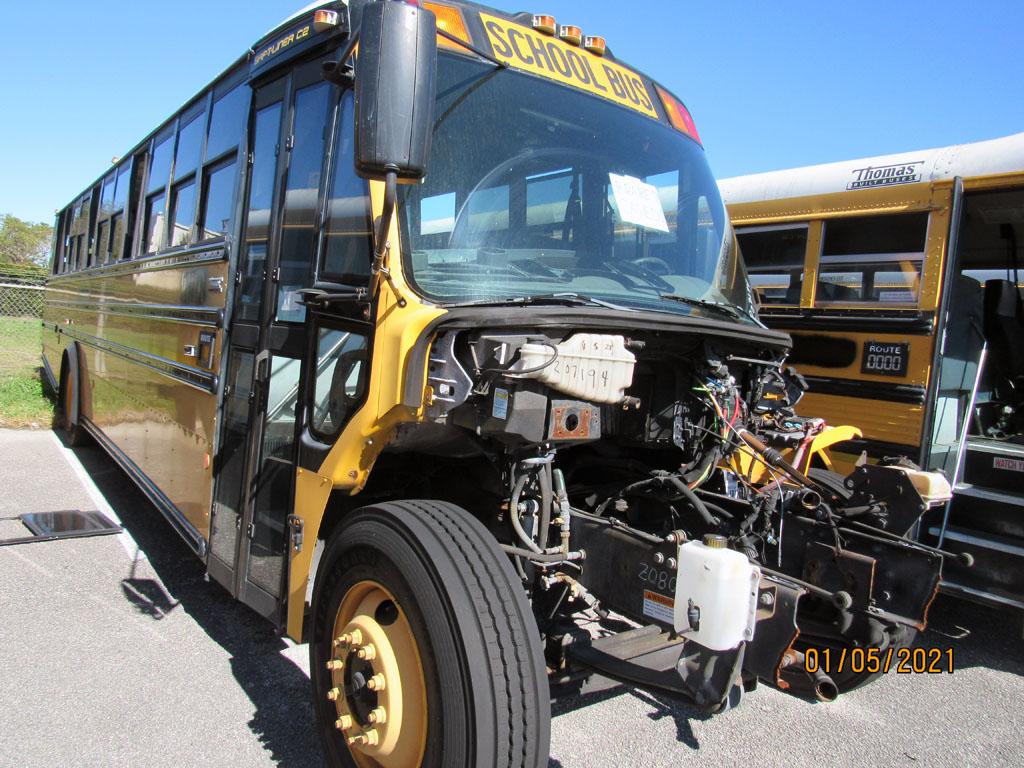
point(564, 299)
point(714, 306)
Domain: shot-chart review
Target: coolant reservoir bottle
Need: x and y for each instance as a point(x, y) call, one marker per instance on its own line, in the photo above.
point(716, 594)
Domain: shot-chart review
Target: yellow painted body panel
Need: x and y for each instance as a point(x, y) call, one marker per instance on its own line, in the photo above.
point(522, 48)
point(311, 494)
point(347, 466)
point(877, 419)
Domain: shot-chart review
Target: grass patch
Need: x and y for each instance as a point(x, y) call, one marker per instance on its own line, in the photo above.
point(23, 403)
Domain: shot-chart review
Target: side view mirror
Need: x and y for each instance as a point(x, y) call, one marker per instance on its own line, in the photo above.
point(394, 90)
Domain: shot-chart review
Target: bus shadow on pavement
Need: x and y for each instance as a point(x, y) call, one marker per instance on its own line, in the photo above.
point(681, 712)
point(980, 635)
point(283, 721)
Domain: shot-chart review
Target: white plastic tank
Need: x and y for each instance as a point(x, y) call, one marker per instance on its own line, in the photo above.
point(589, 366)
point(717, 588)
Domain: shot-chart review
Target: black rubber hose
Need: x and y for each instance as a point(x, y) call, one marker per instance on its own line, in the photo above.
point(695, 502)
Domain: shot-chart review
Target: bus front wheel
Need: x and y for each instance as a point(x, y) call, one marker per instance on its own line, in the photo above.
point(424, 648)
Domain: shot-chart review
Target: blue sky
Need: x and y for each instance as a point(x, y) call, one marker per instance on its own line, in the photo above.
point(770, 84)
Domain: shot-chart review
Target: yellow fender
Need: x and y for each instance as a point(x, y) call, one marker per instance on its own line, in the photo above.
point(825, 439)
point(744, 463)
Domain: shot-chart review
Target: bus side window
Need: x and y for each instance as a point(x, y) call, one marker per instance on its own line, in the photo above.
point(775, 256)
point(156, 197)
point(220, 169)
point(872, 259)
point(301, 195)
point(346, 241)
point(340, 380)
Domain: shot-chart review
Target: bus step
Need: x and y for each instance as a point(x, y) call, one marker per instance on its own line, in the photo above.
point(995, 465)
point(983, 511)
point(998, 569)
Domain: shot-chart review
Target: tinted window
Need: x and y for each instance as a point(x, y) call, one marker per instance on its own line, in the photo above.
point(124, 176)
point(218, 206)
point(101, 243)
point(261, 199)
point(347, 234)
point(117, 235)
point(107, 198)
point(261, 191)
point(227, 122)
point(874, 259)
point(184, 215)
point(300, 201)
point(775, 262)
point(190, 142)
point(341, 374)
point(160, 165)
point(154, 222)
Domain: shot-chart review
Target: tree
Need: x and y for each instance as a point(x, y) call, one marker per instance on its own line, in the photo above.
point(23, 242)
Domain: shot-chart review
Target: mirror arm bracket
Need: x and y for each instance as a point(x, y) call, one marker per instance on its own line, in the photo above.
point(382, 247)
point(469, 46)
point(340, 71)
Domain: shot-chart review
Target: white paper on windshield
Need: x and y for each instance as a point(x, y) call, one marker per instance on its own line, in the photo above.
point(638, 202)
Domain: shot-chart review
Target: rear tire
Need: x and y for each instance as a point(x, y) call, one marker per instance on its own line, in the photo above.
point(426, 585)
point(68, 398)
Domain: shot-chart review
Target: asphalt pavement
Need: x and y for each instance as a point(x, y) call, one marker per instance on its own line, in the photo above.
point(116, 651)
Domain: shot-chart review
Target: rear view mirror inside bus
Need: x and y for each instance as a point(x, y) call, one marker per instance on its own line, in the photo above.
point(394, 90)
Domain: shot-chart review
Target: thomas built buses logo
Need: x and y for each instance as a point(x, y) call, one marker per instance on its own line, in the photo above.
point(884, 175)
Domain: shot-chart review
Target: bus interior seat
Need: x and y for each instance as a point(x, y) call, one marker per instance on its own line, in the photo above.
point(1004, 333)
point(1004, 325)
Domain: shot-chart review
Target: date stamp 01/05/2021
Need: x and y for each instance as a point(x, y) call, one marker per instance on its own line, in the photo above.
point(904, 661)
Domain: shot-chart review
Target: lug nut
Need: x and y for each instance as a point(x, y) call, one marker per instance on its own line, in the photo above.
point(376, 683)
point(335, 666)
point(659, 558)
point(366, 738)
point(334, 694)
point(355, 637)
point(671, 563)
point(344, 723)
point(378, 716)
point(367, 652)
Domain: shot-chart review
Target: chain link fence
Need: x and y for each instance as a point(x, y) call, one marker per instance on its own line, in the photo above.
point(21, 290)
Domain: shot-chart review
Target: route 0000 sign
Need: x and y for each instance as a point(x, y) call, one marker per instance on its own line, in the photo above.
point(885, 358)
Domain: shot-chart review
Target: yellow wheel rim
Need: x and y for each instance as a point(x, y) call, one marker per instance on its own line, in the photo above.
point(377, 683)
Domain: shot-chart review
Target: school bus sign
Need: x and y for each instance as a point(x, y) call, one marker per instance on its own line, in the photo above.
point(548, 57)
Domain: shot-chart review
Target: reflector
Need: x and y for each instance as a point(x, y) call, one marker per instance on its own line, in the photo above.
point(596, 45)
point(678, 114)
point(324, 20)
point(449, 20)
point(544, 23)
point(570, 34)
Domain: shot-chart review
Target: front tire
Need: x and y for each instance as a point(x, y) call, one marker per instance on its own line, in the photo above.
point(417, 596)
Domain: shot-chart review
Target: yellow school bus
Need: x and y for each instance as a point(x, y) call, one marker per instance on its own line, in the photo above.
point(898, 279)
point(426, 327)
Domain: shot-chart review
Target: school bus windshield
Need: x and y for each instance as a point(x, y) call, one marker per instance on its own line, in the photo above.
point(535, 188)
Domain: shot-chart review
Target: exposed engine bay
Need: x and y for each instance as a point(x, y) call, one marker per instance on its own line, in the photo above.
point(672, 519)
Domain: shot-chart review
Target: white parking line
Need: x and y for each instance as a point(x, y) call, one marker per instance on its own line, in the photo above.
point(98, 499)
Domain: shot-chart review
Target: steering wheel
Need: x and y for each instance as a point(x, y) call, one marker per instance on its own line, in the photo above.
point(654, 265)
point(461, 228)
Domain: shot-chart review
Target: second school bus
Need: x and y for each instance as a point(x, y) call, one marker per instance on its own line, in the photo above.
point(898, 278)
